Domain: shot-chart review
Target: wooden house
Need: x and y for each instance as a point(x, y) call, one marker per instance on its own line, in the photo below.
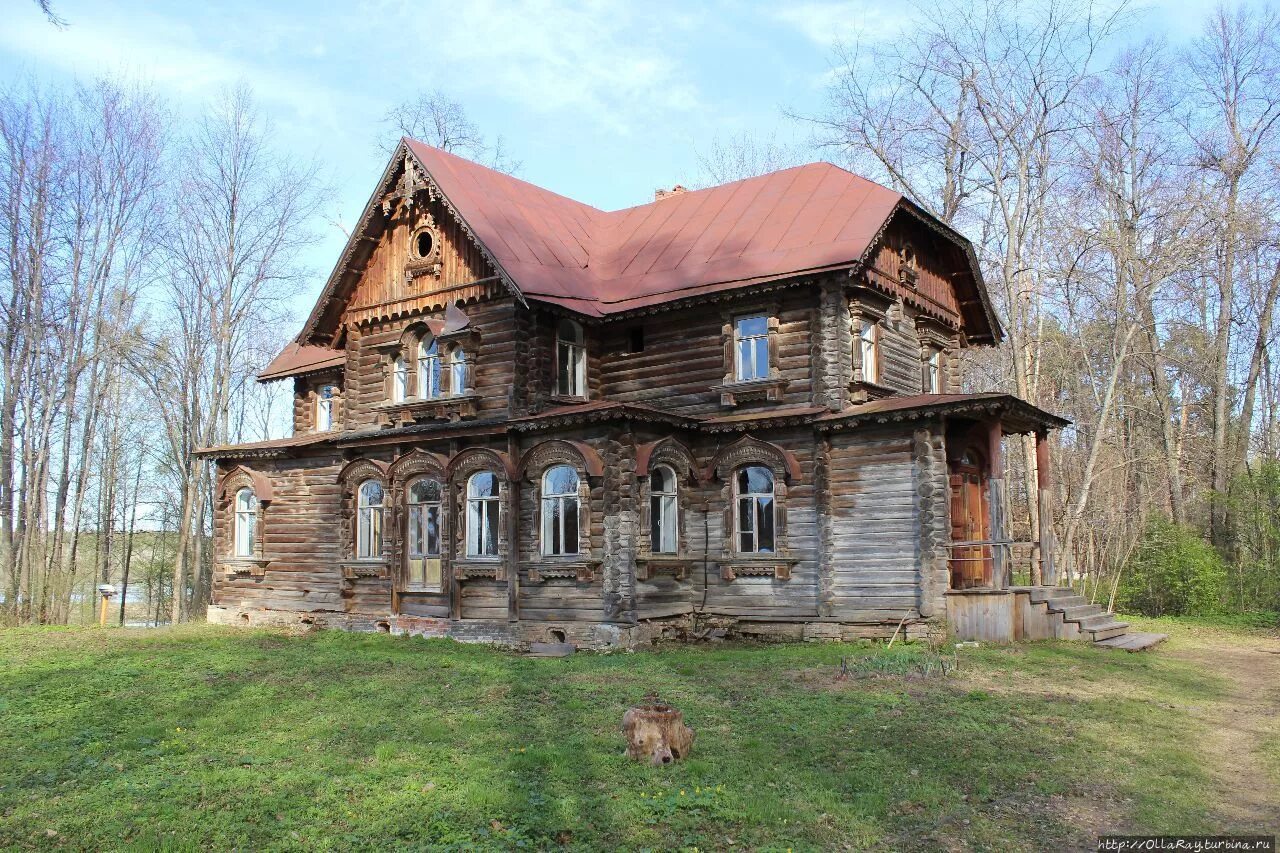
point(520, 418)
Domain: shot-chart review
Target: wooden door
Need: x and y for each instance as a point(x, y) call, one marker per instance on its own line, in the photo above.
point(971, 565)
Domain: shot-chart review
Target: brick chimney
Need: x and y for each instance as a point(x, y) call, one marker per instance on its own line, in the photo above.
point(659, 195)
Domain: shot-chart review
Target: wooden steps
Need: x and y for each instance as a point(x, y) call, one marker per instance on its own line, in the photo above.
point(1135, 642)
point(1093, 623)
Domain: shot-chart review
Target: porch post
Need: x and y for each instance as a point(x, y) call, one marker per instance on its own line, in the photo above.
point(1049, 574)
point(995, 498)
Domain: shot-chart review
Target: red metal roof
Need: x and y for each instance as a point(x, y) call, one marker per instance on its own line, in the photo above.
point(301, 358)
point(597, 262)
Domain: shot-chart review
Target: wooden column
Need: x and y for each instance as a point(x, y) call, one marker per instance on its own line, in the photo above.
point(995, 503)
point(1048, 574)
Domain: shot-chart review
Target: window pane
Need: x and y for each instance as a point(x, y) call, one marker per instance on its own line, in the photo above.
point(417, 547)
point(578, 378)
point(560, 480)
point(657, 523)
point(762, 357)
point(433, 531)
point(363, 534)
point(490, 528)
point(483, 485)
point(370, 493)
point(474, 526)
point(758, 325)
point(746, 525)
point(764, 512)
point(563, 385)
point(755, 480)
point(667, 535)
point(569, 513)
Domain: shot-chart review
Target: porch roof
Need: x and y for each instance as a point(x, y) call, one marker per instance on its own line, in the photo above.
point(1016, 415)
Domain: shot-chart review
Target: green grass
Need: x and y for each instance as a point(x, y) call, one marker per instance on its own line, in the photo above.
point(205, 738)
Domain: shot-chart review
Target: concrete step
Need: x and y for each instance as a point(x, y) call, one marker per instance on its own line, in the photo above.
point(1135, 642)
point(1106, 631)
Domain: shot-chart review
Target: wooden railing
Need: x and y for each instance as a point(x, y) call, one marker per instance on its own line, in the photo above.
point(1006, 562)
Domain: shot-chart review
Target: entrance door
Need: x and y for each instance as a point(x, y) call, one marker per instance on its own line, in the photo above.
point(971, 565)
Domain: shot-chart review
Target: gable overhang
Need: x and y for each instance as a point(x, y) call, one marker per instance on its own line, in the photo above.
point(328, 305)
point(979, 299)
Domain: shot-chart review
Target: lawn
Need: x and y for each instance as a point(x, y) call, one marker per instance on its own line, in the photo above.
point(200, 737)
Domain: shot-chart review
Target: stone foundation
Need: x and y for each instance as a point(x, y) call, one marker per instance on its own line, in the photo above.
point(584, 635)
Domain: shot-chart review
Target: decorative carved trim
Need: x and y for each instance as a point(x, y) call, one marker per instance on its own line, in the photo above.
point(452, 409)
point(238, 567)
point(469, 569)
point(415, 462)
point(241, 476)
point(778, 568)
point(466, 462)
point(650, 567)
point(359, 470)
point(576, 570)
point(560, 451)
point(667, 451)
point(758, 391)
point(753, 451)
point(353, 569)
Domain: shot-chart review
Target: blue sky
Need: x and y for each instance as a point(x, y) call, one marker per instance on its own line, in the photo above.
point(603, 101)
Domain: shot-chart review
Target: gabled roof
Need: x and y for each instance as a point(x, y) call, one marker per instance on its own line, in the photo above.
point(296, 359)
point(550, 248)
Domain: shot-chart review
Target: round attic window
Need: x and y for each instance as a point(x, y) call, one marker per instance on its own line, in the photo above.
point(424, 243)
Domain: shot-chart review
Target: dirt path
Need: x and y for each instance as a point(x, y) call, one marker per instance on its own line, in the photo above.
point(1246, 716)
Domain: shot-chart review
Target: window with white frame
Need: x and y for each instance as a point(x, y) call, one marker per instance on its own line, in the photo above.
point(399, 380)
point(571, 360)
point(422, 551)
point(246, 522)
point(458, 371)
point(932, 372)
point(560, 511)
point(428, 369)
point(869, 350)
point(755, 516)
point(369, 506)
point(326, 397)
point(482, 514)
point(751, 348)
point(664, 508)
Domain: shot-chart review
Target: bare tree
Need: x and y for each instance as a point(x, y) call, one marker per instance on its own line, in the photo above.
point(437, 119)
point(231, 265)
point(734, 158)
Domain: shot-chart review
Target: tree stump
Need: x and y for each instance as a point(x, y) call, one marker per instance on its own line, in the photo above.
point(656, 733)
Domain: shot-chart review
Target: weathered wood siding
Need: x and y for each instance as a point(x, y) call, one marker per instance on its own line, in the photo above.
point(873, 530)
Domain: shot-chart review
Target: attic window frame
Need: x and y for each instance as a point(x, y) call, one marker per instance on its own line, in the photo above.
point(433, 254)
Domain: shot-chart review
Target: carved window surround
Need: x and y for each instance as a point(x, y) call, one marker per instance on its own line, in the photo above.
point(244, 565)
point(459, 471)
point(558, 452)
point(877, 310)
point(353, 569)
point(676, 456)
point(770, 389)
point(776, 566)
point(405, 470)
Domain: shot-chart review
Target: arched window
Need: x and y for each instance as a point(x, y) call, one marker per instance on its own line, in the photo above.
point(560, 511)
point(246, 522)
point(399, 380)
point(482, 514)
point(369, 521)
point(571, 360)
point(753, 487)
point(458, 372)
point(324, 407)
point(664, 510)
point(422, 552)
point(428, 369)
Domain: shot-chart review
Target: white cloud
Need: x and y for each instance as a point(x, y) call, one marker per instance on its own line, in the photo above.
point(826, 22)
point(604, 61)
